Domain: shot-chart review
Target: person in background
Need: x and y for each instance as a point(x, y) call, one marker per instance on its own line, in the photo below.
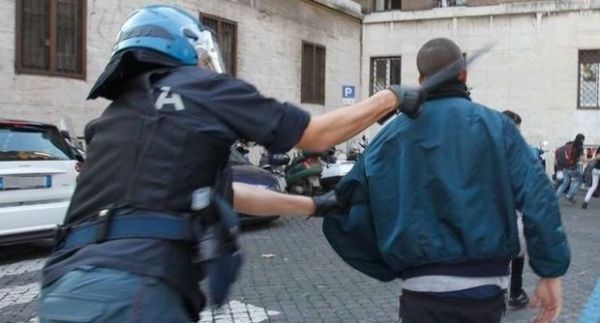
point(517, 297)
point(572, 169)
point(595, 178)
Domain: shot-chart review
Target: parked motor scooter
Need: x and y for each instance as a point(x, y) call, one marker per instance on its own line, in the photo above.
point(276, 164)
point(243, 147)
point(336, 165)
point(301, 174)
point(354, 152)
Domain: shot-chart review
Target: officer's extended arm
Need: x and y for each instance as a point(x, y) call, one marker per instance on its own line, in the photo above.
point(337, 126)
point(250, 199)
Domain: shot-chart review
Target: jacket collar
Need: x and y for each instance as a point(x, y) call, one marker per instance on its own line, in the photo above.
point(450, 89)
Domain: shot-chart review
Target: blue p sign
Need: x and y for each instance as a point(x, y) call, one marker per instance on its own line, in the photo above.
point(348, 92)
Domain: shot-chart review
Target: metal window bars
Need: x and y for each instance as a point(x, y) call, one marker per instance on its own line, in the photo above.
point(589, 79)
point(50, 37)
point(385, 71)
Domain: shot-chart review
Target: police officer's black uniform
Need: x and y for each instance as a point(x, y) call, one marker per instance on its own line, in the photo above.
point(148, 155)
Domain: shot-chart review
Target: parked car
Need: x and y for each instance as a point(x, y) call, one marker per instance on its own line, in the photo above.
point(245, 172)
point(38, 169)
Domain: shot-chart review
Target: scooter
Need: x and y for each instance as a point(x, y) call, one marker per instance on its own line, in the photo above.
point(243, 147)
point(301, 175)
point(275, 164)
point(338, 164)
point(354, 152)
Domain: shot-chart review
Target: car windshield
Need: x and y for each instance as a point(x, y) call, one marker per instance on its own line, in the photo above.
point(28, 142)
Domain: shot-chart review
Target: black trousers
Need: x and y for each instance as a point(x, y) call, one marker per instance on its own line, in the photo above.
point(516, 276)
point(425, 308)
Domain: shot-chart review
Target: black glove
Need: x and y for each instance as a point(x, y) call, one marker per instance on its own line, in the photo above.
point(411, 100)
point(325, 203)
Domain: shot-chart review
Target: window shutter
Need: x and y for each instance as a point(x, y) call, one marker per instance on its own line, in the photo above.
point(35, 35)
point(320, 75)
point(68, 36)
point(307, 63)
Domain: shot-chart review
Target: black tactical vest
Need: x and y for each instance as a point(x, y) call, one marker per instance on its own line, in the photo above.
point(147, 156)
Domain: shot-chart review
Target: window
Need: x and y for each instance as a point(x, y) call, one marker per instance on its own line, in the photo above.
point(385, 71)
point(51, 37)
point(589, 79)
point(226, 32)
point(386, 5)
point(313, 74)
point(32, 142)
point(449, 3)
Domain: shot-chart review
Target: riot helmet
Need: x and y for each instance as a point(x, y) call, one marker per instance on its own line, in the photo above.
point(172, 32)
point(153, 37)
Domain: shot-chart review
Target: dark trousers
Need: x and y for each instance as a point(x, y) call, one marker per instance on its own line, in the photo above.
point(516, 276)
point(98, 295)
point(425, 308)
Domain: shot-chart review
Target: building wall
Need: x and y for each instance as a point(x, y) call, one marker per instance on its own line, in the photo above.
point(366, 5)
point(473, 3)
point(533, 68)
point(417, 4)
point(270, 35)
point(411, 5)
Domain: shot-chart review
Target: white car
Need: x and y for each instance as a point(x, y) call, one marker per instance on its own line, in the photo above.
point(38, 169)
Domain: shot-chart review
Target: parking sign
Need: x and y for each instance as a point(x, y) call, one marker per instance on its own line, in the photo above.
point(348, 94)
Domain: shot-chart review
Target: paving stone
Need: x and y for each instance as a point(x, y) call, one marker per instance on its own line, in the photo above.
point(307, 282)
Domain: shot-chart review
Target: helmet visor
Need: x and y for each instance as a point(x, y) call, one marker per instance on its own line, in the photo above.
point(209, 53)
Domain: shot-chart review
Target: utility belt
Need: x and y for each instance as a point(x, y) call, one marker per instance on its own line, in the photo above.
point(213, 230)
point(128, 223)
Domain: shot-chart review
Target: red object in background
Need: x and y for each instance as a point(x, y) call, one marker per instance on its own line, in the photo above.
point(310, 161)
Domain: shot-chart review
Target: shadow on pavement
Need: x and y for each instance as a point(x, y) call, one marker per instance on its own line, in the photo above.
point(25, 251)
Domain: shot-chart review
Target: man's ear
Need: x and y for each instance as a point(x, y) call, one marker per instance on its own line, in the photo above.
point(462, 76)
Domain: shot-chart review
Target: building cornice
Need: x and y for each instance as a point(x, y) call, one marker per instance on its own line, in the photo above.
point(346, 7)
point(519, 8)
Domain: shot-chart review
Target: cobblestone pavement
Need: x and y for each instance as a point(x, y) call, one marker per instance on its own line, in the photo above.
point(291, 275)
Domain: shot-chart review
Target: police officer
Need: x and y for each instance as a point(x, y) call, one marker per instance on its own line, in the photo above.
point(155, 180)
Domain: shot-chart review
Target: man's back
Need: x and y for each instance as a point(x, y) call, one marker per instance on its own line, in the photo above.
point(443, 189)
point(433, 202)
point(451, 189)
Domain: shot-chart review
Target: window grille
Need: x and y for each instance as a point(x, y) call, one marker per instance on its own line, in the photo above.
point(385, 71)
point(589, 79)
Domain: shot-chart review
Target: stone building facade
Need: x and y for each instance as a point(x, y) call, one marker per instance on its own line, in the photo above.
point(545, 64)
point(268, 38)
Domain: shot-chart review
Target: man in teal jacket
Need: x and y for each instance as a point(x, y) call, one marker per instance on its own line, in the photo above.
point(433, 200)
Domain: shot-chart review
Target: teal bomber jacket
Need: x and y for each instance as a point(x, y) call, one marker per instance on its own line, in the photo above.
point(443, 189)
